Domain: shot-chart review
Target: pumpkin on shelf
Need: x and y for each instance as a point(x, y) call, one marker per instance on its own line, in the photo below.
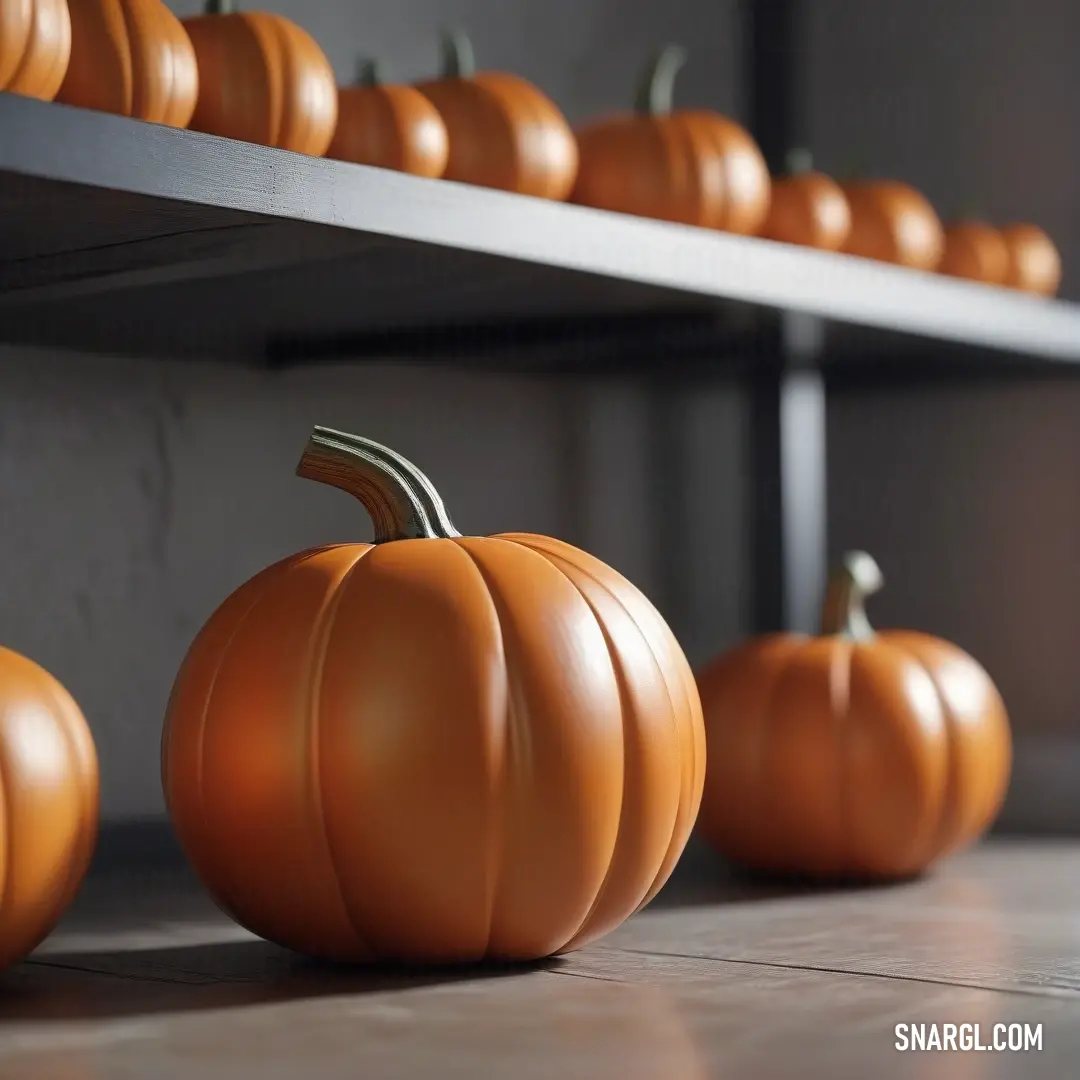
point(48, 799)
point(892, 222)
point(391, 126)
point(1034, 264)
point(133, 58)
point(690, 166)
point(35, 46)
point(976, 251)
point(503, 131)
point(262, 79)
point(851, 755)
point(807, 208)
point(432, 748)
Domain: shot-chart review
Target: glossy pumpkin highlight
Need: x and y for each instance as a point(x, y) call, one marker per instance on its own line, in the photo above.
point(433, 748)
point(1034, 263)
point(48, 803)
point(262, 80)
point(503, 131)
point(389, 126)
point(976, 251)
point(854, 754)
point(689, 166)
point(132, 58)
point(35, 46)
point(810, 209)
point(892, 222)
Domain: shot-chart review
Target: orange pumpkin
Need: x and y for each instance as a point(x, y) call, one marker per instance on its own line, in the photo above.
point(504, 132)
point(808, 208)
point(262, 79)
point(892, 222)
point(975, 250)
point(48, 803)
point(1034, 262)
point(133, 58)
point(854, 754)
point(35, 45)
point(394, 127)
point(433, 747)
point(687, 165)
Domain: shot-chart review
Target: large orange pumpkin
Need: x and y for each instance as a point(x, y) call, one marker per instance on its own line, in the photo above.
point(808, 208)
point(976, 251)
point(433, 747)
point(48, 803)
point(892, 222)
point(854, 754)
point(262, 79)
point(35, 45)
point(687, 165)
point(393, 127)
point(504, 132)
point(131, 57)
point(1034, 262)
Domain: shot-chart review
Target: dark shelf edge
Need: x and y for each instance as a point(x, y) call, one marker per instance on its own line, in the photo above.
point(61, 144)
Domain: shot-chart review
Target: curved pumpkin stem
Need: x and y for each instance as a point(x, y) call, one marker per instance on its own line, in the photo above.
point(220, 7)
point(799, 162)
point(843, 611)
point(459, 59)
point(656, 91)
point(370, 73)
point(401, 500)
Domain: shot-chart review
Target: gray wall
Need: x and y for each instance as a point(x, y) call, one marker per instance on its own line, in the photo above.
point(136, 495)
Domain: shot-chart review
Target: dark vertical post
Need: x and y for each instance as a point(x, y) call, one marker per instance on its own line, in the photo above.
point(786, 416)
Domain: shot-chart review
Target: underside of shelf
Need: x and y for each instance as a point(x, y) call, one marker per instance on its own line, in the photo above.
point(123, 237)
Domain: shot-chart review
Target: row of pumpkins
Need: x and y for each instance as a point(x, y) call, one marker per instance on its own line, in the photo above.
point(445, 748)
point(260, 78)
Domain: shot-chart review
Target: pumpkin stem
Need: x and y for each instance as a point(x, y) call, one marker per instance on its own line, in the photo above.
point(401, 500)
point(799, 162)
point(220, 7)
point(970, 210)
point(459, 60)
point(842, 611)
point(656, 91)
point(369, 73)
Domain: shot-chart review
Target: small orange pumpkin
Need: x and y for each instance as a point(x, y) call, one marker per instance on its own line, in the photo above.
point(808, 208)
point(393, 127)
point(687, 165)
point(892, 222)
point(976, 251)
point(262, 79)
point(48, 803)
point(853, 754)
point(433, 747)
point(1034, 262)
point(504, 132)
point(133, 58)
point(35, 46)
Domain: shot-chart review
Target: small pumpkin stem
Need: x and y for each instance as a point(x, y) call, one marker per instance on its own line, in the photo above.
point(656, 91)
point(220, 7)
point(401, 500)
point(459, 59)
point(799, 162)
point(370, 73)
point(843, 611)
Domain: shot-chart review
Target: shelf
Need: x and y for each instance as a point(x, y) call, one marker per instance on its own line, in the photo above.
point(120, 236)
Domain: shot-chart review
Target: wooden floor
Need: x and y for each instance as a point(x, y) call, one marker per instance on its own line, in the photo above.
point(719, 978)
